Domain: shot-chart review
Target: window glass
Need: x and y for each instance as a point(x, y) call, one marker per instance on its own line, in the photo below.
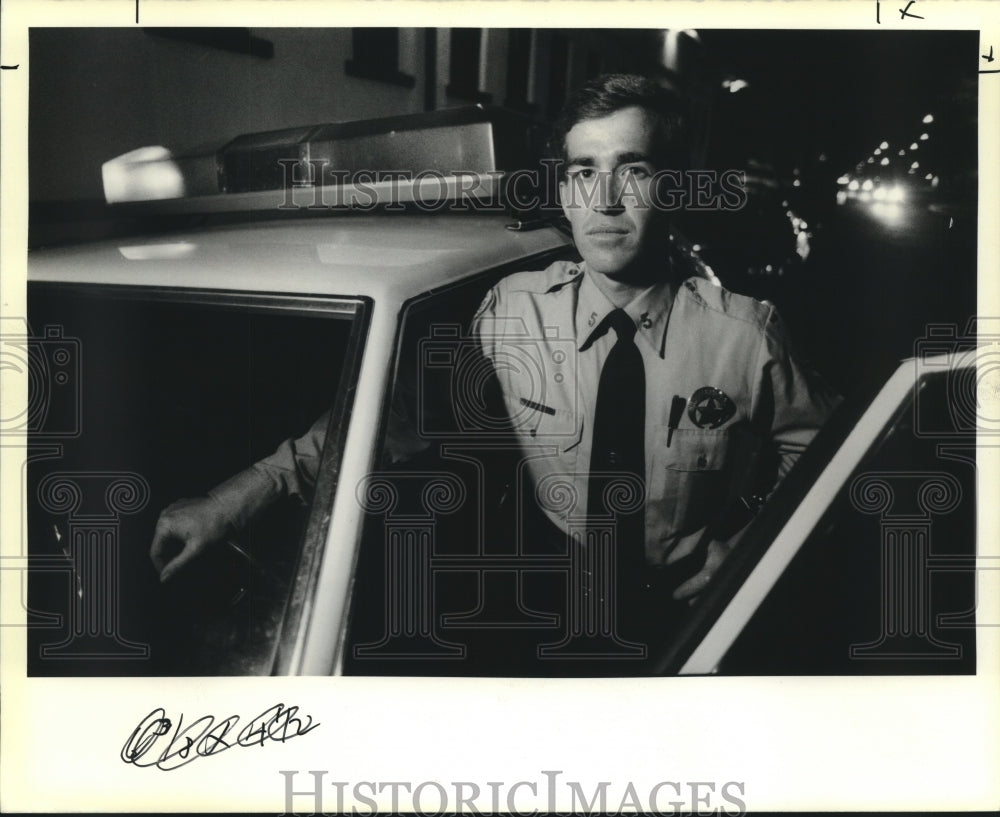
point(135, 403)
point(885, 583)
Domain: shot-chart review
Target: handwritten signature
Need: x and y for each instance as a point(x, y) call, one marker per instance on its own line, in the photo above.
point(177, 744)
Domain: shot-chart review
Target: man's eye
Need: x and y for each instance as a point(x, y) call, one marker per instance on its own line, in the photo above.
point(637, 172)
point(582, 173)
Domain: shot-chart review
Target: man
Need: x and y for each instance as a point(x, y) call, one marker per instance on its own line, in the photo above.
point(676, 391)
point(686, 391)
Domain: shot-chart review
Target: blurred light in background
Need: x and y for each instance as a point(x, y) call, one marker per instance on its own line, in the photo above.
point(928, 119)
point(891, 214)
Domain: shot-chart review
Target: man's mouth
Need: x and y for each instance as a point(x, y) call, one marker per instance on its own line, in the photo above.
point(607, 231)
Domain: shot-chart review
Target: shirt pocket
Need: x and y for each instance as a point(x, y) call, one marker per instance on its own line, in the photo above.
point(689, 479)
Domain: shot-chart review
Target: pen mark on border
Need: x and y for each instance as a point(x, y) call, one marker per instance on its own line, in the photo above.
point(206, 736)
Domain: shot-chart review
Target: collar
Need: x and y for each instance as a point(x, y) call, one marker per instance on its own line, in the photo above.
point(650, 309)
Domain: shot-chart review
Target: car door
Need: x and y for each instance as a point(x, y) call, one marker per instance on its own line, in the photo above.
point(866, 560)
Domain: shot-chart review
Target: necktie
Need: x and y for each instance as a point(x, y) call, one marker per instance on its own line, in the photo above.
point(619, 447)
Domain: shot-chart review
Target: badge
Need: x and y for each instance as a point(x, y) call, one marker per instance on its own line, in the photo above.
point(710, 407)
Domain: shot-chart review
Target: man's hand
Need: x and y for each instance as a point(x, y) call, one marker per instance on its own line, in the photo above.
point(715, 554)
point(190, 524)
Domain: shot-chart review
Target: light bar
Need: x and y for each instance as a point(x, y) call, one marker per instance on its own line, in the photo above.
point(397, 157)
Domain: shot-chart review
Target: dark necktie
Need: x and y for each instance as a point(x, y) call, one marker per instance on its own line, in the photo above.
point(619, 446)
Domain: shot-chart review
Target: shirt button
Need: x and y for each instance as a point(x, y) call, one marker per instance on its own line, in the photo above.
point(702, 461)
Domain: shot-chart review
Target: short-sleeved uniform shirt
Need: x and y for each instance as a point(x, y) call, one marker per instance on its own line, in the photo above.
point(537, 329)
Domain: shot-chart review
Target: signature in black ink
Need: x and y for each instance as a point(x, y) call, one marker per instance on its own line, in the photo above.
point(177, 745)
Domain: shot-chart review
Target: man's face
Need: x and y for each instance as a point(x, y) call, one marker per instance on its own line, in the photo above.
point(607, 194)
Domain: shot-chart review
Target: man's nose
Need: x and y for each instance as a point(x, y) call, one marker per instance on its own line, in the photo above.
point(609, 194)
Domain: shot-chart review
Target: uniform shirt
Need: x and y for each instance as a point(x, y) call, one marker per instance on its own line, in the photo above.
point(537, 329)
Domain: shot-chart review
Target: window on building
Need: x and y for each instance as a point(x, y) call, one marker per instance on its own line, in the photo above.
point(463, 65)
point(518, 69)
point(558, 67)
point(375, 55)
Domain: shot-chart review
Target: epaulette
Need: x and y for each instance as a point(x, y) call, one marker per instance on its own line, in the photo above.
point(554, 277)
point(718, 299)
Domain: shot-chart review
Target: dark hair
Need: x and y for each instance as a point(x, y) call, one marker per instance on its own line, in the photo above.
point(604, 95)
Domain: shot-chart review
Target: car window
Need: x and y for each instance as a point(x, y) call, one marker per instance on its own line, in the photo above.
point(441, 506)
point(885, 583)
point(136, 400)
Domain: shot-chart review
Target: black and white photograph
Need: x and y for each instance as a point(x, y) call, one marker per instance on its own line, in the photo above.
point(514, 357)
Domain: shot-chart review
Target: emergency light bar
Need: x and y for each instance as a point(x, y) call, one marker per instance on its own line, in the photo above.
point(443, 154)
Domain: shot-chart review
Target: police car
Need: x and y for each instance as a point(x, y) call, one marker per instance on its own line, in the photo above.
point(163, 364)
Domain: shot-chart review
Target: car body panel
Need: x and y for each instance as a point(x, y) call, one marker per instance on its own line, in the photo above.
point(388, 257)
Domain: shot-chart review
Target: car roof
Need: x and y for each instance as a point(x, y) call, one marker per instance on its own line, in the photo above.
point(378, 255)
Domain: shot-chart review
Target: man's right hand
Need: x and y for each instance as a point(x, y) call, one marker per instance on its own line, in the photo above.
point(190, 524)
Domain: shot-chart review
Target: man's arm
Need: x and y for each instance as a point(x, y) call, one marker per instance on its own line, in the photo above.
point(791, 403)
point(793, 400)
point(189, 526)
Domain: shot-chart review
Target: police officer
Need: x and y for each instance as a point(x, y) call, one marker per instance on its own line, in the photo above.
point(690, 395)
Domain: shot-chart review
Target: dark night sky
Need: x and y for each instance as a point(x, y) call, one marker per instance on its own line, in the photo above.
point(841, 92)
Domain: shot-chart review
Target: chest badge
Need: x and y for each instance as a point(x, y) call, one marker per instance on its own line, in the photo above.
point(710, 407)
